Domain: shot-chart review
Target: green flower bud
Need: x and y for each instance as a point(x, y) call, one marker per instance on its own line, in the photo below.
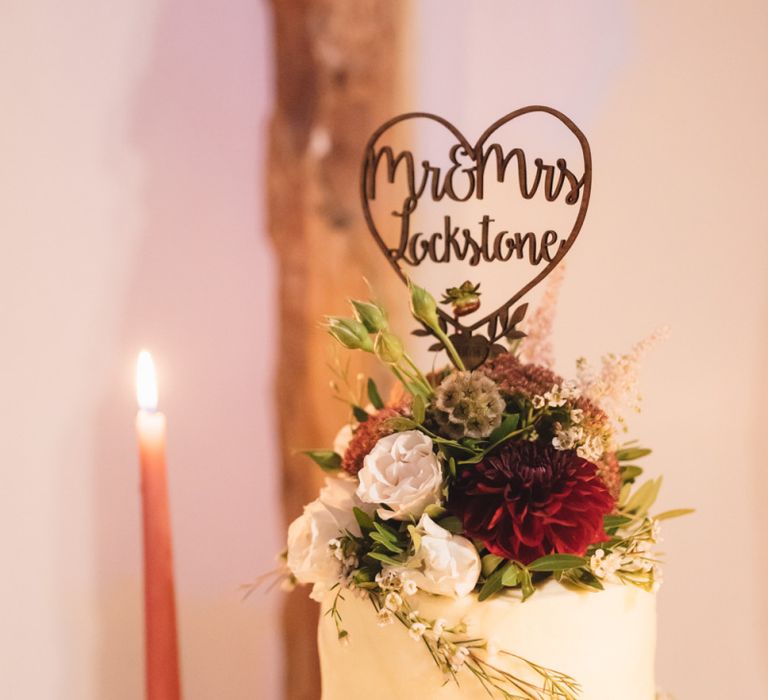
point(350, 332)
point(388, 348)
point(423, 306)
point(371, 315)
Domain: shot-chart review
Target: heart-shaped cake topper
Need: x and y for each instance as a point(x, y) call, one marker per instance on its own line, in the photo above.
point(465, 176)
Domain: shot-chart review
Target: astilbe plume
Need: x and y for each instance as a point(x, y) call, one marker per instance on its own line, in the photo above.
point(468, 404)
point(537, 345)
point(609, 471)
point(615, 385)
point(528, 500)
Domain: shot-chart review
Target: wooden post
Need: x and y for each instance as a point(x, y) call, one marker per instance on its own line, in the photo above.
point(336, 81)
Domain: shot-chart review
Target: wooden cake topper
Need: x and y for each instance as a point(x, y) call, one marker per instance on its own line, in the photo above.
point(462, 178)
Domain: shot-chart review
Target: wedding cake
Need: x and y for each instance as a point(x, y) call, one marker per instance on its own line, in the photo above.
point(485, 531)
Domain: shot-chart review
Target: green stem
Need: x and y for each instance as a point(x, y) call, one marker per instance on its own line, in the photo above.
point(449, 348)
point(409, 378)
point(399, 376)
point(419, 373)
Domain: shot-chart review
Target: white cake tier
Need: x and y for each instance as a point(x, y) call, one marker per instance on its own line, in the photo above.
point(604, 640)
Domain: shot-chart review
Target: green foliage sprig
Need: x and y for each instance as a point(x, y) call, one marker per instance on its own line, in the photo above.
point(369, 331)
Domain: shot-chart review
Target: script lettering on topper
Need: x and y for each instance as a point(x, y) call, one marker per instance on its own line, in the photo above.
point(447, 189)
point(460, 183)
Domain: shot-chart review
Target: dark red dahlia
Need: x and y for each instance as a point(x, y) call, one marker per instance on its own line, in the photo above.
point(528, 500)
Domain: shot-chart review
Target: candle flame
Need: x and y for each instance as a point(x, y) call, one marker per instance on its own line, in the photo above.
point(146, 382)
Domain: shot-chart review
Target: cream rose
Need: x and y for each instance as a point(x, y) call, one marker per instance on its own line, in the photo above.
point(402, 475)
point(310, 557)
point(443, 563)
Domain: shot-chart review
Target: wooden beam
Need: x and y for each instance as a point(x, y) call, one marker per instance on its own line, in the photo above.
point(336, 81)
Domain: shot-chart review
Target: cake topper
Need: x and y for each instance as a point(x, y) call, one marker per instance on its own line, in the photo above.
point(493, 180)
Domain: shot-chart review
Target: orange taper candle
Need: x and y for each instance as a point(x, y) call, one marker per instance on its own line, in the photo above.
point(161, 645)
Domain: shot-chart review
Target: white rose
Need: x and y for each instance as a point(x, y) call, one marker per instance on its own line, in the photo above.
point(443, 564)
point(310, 558)
point(401, 473)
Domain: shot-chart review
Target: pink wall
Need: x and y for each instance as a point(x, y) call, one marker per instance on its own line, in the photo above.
point(133, 142)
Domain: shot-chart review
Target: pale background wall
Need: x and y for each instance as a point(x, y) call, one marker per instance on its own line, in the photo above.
point(672, 96)
point(131, 214)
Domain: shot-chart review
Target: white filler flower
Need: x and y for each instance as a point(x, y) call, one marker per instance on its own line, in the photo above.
point(443, 564)
point(402, 474)
point(310, 556)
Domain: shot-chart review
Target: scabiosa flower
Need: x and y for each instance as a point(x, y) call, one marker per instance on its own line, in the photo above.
point(365, 437)
point(468, 404)
point(529, 499)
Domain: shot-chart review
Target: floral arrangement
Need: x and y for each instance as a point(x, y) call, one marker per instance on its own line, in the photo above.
point(476, 481)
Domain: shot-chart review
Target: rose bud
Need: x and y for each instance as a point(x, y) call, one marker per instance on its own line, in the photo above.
point(371, 315)
point(423, 306)
point(350, 333)
point(388, 347)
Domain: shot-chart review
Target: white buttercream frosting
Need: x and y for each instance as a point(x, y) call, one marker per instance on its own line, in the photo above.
point(605, 640)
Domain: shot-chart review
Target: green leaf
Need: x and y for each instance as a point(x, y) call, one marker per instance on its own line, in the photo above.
point(452, 467)
point(419, 408)
point(378, 556)
point(491, 586)
point(490, 563)
point(362, 576)
point(386, 543)
point(510, 575)
point(367, 585)
point(626, 489)
point(557, 562)
point(413, 531)
point(588, 579)
point(676, 513)
point(360, 414)
point(613, 522)
point(435, 511)
point(629, 454)
point(328, 460)
point(508, 424)
point(400, 423)
point(417, 390)
point(526, 583)
point(630, 473)
point(643, 498)
point(452, 524)
point(386, 531)
point(363, 519)
point(374, 396)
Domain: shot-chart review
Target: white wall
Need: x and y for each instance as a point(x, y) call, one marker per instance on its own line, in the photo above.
point(673, 99)
point(131, 214)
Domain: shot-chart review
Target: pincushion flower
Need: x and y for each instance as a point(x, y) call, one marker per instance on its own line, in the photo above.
point(529, 499)
point(402, 475)
point(310, 556)
point(443, 563)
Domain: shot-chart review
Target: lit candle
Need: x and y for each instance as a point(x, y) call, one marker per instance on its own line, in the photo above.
point(161, 646)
